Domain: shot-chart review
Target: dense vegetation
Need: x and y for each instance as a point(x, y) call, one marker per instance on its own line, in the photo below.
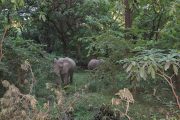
point(138, 40)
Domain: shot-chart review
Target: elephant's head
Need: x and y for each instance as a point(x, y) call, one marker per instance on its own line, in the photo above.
point(57, 66)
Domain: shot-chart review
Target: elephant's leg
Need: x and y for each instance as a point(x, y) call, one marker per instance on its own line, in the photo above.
point(66, 79)
point(62, 78)
point(71, 77)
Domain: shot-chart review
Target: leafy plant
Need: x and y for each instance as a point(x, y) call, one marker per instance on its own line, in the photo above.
point(154, 62)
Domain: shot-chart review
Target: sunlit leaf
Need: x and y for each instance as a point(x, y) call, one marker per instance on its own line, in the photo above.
point(129, 68)
point(3, 1)
point(152, 73)
point(149, 69)
point(13, 1)
point(21, 2)
point(42, 16)
point(125, 65)
point(130, 75)
point(133, 63)
point(138, 78)
point(175, 69)
point(167, 65)
point(142, 72)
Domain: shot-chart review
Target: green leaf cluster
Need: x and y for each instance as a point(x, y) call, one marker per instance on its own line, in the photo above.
point(149, 62)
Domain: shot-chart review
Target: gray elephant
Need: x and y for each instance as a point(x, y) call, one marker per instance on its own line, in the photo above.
point(94, 63)
point(64, 68)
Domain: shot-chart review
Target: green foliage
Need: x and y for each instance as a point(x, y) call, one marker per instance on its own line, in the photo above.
point(87, 106)
point(107, 113)
point(107, 44)
point(43, 72)
point(14, 3)
point(149, 62)
point(146, 105)
point(154, 62)
point(106, 71)
point(17, 50)
point(170, 32)
point(94, 28)
point(107, 78)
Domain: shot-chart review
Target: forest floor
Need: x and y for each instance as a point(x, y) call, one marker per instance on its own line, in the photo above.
point(93, 95)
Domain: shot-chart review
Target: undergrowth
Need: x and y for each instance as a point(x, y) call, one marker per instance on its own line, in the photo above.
point(77, 101)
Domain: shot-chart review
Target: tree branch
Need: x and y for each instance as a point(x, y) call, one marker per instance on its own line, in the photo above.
point(169, 80)
point(1, 42)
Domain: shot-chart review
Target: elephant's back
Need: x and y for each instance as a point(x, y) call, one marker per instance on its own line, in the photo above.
point(70, 61)
point(93, 64)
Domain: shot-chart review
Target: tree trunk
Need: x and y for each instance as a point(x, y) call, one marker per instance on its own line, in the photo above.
point(78, 51)
point(128, 14)
point(65, 48)
point(128, 19)
point(1, 43)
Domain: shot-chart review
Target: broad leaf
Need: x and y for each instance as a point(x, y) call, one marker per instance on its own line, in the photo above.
point(133, 63)
point(142, 73)
point(167, 65)
point(152, 73)
point(125, 65)
point(149, 69)
point(129, 68)
point(175, 69)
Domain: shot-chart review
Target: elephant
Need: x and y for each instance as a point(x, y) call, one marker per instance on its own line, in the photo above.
point(94, 63)
point(64, 68)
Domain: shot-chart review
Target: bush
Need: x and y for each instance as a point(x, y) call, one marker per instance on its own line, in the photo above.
point(15, 105)
point(18, 50)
